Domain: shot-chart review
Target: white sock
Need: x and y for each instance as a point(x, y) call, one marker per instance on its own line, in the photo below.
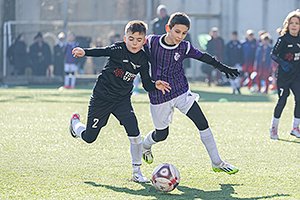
point(148, 141)
point(136, 151)
point(66, 82)
point(78, 127)
point(73, 81)
point(296, 122)
point(274, 122)
point(209, 142)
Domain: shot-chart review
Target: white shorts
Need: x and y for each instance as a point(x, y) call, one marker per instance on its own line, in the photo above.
point(70, 67)
point(162, 114)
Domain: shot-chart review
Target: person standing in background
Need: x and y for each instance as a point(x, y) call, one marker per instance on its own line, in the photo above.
point(234, 57)
point(59, 55)
point(40, 55)
point(98, 62)
point(18, 55)
point(249, 49)
point(216, 47)
point(70, 62)
point(161, 20)
point(263, 62)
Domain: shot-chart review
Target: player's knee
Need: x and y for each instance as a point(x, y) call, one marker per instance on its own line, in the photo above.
point(135, 139)
point(202, 125)
point(282, 101)
point(131, 126)
point(89, 138)
point(160, 135)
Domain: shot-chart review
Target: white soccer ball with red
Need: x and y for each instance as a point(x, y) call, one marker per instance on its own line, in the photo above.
point(165, 177)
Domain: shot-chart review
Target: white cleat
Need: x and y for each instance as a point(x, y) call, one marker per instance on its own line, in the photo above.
point(75, 116)
point(274, 133)
point(139, 177)
point(295, 132)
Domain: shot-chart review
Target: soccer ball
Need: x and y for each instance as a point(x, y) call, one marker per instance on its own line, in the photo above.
point(165, 177)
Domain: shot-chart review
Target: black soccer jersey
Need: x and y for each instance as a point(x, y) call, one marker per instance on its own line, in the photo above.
point(116, 79)
point(287, 49)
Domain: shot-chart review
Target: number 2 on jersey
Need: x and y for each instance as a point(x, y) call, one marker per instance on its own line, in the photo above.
point(95, 123)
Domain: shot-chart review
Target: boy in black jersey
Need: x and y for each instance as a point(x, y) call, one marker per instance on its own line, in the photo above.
point(286, 53)
point(112, 91)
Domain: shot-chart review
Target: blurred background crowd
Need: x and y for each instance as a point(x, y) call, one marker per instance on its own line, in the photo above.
point(38, 35)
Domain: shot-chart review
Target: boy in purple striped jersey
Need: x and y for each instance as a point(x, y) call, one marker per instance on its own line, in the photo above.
point(167, 53)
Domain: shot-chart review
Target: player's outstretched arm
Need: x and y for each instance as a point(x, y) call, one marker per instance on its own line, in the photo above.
point(228, 71)
point(78, 52)
point(162, 86)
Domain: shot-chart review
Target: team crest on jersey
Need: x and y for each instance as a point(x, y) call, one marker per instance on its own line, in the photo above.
point(176, 56)
point(135, 66)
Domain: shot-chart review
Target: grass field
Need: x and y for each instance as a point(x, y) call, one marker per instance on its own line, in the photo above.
point(40, 160)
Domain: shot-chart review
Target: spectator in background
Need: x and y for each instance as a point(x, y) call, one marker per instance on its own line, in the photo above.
point(249, 49)
point(161, 20)
point(215, 47)
point(40, 55)
point(115, 38)
point(59, 55)
point(263, 62)
point(234, 58)
point(98, 62)
point(18, 55)
point(70, 62)
point(85, 42)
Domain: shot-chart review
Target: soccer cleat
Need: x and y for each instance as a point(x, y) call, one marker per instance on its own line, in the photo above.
point(225, 167)
point(147, 155)
point(295, 132)
point(139, 177)
point(274, 133)
point(75, 116)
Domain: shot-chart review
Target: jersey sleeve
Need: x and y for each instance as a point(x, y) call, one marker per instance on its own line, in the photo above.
point(147, 82)
point(192, 52)
point(108, 51)
point(276, 50)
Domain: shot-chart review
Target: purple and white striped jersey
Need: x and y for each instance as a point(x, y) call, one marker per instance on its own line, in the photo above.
point(167, 65)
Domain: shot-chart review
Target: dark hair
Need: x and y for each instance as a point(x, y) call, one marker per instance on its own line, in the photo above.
point(179, 18)
point(38, 35)
point(136, 26)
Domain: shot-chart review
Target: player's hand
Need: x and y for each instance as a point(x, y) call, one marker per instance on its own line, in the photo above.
point(78, 52)
point(229, 72)
point(286, 66)
point(162, 86)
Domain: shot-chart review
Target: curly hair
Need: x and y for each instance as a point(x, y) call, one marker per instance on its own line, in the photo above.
point(295, 13)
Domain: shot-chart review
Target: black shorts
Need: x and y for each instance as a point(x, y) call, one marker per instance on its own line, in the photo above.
point(100, 110)
point(285, 87)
